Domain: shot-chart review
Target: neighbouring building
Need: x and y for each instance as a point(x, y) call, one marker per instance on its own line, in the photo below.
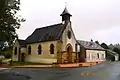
point(3, 44)
point(91, 52)
point(111, 55)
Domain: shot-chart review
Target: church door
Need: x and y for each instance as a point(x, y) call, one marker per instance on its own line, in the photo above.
point(69, 54)
point(22, 57)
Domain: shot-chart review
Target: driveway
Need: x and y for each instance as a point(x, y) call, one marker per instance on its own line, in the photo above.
point(106, 71)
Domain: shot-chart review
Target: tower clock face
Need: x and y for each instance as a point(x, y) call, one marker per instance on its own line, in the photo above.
point(69, 34)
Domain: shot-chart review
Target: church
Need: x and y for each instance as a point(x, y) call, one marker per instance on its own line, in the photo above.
point(52, 44)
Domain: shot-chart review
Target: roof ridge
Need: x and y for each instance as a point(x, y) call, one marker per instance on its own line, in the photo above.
point(21, 39)
point(84, 40)
point(49, 26)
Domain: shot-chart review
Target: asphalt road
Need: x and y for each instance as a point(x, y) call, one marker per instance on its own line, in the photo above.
point(107, 71)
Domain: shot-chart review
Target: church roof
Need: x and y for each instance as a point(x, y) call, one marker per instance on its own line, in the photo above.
point(22, 43)
point(65, 12)
point(90, 45)
point(49, 33)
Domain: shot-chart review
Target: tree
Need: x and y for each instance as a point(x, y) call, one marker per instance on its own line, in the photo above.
point(2, 2)
point(104, 46)
point(111, 46)
point(116, 50)
point(9, 20)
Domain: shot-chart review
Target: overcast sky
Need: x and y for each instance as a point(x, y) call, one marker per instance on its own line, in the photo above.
point(91, 19)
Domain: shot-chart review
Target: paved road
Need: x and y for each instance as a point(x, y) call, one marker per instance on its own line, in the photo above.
point(107, 71)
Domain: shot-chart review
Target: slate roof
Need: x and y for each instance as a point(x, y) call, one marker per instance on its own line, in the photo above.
point(90, 45)
point(49, 33)
point(111, 52)
point(65, 12)
point(22, 43)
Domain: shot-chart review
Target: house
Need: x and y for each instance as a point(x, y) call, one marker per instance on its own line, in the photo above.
point(111, 55)
point(91, 52)
point(3, 44)
point(51, 44)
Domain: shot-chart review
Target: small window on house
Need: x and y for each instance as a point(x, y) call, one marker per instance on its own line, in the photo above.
point(69, 34)
point(102, 56)
point(29, 50)
point(93, 56)
point(15, 51)
point(51, 49)
point(88, 56)
point(98, 55)
point(39, 49)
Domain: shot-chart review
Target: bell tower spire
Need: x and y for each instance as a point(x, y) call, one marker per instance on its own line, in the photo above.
point(65, 15)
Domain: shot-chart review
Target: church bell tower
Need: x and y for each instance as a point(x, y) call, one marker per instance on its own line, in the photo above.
point(65, 16)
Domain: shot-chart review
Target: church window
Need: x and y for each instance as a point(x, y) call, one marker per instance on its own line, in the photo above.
point(76, 48)
point(15, 52)
point(29, 50)
point(51, 49)
point(39, 49)
point(69, 34)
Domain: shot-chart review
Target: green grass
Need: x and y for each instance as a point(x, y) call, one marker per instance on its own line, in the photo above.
point(26, 63)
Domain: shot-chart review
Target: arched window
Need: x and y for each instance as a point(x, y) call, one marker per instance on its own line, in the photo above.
point(76, 48)
point(39, 49)
point(51, 49)
point(69, 49)
point(69, 34)
point(29, 50)
point(15, 51)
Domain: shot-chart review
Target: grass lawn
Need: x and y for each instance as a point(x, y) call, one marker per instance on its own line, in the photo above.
point(14, 63)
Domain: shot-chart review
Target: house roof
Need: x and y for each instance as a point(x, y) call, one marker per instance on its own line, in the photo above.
point(90, 45)
point(111, 52)
point(49, 33)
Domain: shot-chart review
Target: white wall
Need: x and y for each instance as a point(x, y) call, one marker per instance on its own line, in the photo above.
point(92, 55)
point(65, 39)
point(116, 57)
